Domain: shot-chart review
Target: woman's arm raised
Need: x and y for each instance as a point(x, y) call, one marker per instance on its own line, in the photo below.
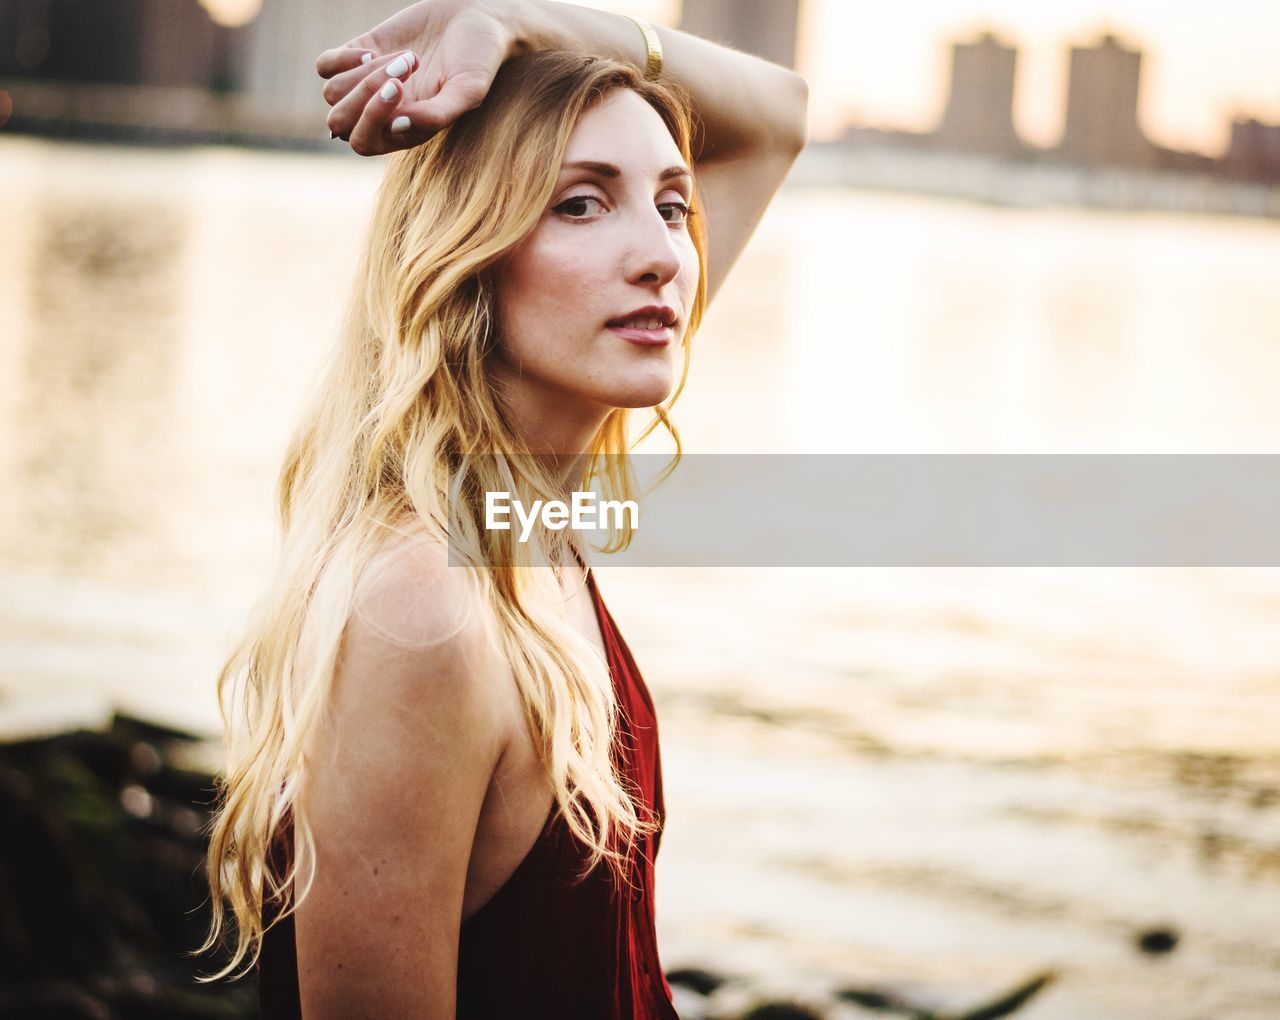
point(752, 115)
point(397, 775)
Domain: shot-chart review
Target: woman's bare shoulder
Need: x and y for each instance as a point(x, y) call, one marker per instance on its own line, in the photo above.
point(420, 641)
point(410, 595)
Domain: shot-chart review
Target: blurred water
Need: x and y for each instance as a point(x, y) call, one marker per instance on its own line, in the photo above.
point(941, 776)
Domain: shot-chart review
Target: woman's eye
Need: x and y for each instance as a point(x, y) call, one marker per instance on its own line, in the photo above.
point(572, 207)
point(683, 211)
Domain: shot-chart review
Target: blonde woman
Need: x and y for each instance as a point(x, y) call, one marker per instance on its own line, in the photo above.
point(444, 791)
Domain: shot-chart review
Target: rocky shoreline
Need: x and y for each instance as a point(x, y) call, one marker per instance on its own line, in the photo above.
point(102, 889)
point(103, 897)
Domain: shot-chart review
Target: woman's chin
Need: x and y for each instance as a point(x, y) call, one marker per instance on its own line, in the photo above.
point(643, 394)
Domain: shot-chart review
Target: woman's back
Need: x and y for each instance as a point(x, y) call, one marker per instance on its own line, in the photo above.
point(398, 767)
point(534, 942)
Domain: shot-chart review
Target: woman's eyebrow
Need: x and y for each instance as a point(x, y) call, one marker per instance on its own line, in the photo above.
point(609, 170)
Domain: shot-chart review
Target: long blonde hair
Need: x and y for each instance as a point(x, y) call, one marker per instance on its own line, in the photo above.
point(390, 434)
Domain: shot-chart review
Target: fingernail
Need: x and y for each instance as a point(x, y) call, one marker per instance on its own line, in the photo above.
point(333, 135)
point(398, 66)
point(366, 58)
point(390, 90)
point(400, 125)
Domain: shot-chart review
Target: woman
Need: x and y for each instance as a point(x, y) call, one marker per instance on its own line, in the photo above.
point(444, 791)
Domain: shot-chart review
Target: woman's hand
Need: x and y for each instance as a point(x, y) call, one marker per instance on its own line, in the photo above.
point(400, 83)
point(750, 116)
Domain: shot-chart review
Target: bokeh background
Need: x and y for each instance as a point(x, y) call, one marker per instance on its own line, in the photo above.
point(1031, 228)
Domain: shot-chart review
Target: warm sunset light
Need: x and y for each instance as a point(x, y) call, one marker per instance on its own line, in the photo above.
point(886, 64)
point(232, 13)
point(957, 613)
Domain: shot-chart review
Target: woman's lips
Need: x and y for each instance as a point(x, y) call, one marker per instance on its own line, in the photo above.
point(645, 337)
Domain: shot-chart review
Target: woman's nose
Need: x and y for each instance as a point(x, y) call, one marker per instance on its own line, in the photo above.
point(656, 257)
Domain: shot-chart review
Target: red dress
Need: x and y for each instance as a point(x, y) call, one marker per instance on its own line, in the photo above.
point(546, 946)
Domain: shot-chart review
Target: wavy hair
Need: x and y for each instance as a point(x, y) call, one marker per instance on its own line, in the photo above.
point(404, 426)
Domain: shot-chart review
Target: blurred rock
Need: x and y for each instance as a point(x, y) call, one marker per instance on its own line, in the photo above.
point(695, 979)
point(882, 1000)
point(102, 890)
point(1158, 940)
point(781, 1011)
point(1011, 1001)
point(920, 1005)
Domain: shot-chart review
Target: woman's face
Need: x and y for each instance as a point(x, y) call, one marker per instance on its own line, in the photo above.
point(610, 242)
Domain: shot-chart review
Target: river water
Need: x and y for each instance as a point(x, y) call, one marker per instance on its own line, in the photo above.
point(942, 780)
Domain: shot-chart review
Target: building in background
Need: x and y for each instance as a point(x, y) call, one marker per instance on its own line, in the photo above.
point(160, 43)
point(766, 28)
point(243, 71)
point(1102, 107)
point(142, 69)
point(1254, 153)
point(280, 90)
point(979, 112)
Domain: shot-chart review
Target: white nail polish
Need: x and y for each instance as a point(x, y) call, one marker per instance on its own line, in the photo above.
point(397, 67)
point(400, 125)
point(367, 58)
point(389, 90)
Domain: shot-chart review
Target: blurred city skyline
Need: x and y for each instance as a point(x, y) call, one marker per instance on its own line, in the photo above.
point(887, 65)
point(986, 76)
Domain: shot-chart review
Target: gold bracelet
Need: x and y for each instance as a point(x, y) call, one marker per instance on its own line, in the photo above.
point(653, 46)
